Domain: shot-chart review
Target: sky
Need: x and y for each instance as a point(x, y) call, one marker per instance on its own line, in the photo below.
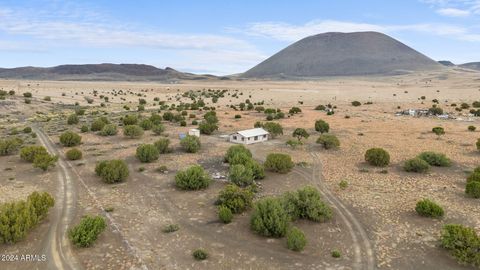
point(221, 37)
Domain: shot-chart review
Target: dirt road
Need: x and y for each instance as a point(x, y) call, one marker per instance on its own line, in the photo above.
point(55, 244)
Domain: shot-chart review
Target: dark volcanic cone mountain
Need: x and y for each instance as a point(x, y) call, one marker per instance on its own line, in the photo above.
point(343, 54)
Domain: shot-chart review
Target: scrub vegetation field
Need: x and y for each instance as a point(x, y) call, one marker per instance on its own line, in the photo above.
point(95, 175)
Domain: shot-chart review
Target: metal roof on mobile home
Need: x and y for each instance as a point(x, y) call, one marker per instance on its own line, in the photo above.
point(252, 132)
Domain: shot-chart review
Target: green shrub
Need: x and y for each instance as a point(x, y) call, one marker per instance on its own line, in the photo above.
point(27, 94)
point(146, 124)
point(130, 119)
point(435, 110)
point(241, 175)
point(171, 228)
point(478, 144)
point(306, 203)
point(109, 130)
point(472, 189)
point(300, 133)
point(84, 129)
point(200, 255)
point(70, 138)
point(28, 153)
point(269, 218)
point(225, 214)
point(147, 153)
point(235, 150)
point(235, 198)
point(162, 145)
point(472, 128)
point(44, 161)
point(356, 103)
point(9, 146)
point(132, 131)
point(438, 130)
point(416, 165)
point(320, 108)
point(328, 141)
point(294, 143)
point(296, 240)
point(17, 218)
point(475, 176)
point(435, 159)
point(72, 119)
point(73, 154)
point(377, 157)
point(428, 208)
point(191, 144)
point(322, 126)
point(280, 163)
point(158, 129)
point(112, 171)
point(273, 128)
point(87, 231)
point(193, 178)
point(207, 127)
point(462, 242)
point(27, 130)
point(336, 254)
point(98, 124)
point(257, 169)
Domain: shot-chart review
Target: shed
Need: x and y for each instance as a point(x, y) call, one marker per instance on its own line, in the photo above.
point(194, 132)
point(249, 136)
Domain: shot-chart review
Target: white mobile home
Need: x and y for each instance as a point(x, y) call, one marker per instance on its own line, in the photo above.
point(194, 132)
point(249, 136)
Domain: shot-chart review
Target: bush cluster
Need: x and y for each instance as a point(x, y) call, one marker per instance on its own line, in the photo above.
point(416, 165)
point(269, 218)
point(130, 119)
point(10, 146)
point(162, 146)
point(296, 240)
point(235, 198)
point(435, 159)
point(280, 163)
point(87, 231)
point(132, 131)
point(241, 175)
point(428, 208)
point(328, 141)
point(109, 130)
point(377, 157)
point(193, 178)
point(225, 214)
point(72, 119)
point(74, 154)
point(28, 153)
point(44, 161)
point(191, 144)
point(147, 153)
point(462, 242)
point(112, 171)
point(99, 123)
point(70, 138)
point(17, 218)
point(322, 126)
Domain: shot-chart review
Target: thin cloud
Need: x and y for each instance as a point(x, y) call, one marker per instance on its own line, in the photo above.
point(453, 12)
point(289, 32)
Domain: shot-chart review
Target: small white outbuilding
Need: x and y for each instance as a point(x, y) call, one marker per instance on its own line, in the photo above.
point(194, 132)
point(249, 136)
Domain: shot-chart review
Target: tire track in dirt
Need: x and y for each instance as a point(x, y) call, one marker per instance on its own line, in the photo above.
point(363, 251)
point(55, 244)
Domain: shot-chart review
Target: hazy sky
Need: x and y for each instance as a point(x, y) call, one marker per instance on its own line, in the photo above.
point(221, 37)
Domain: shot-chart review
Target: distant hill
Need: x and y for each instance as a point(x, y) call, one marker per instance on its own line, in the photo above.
point(471, 65)
point(446, 63)
point(343, 54)
point(100, 72)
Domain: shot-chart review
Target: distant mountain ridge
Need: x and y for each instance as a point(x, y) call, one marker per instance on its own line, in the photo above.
point(471, 65)
point(343, 54)
point(106, 71)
